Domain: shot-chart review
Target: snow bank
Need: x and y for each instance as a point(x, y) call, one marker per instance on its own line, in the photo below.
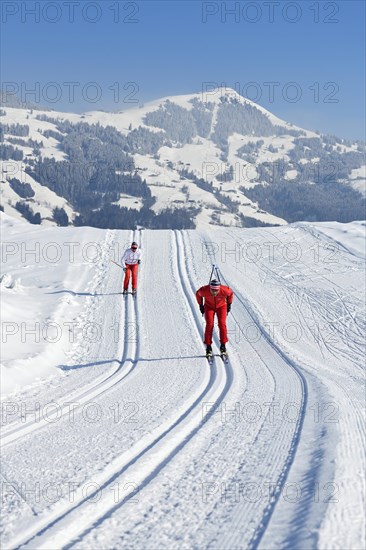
point(48, 278)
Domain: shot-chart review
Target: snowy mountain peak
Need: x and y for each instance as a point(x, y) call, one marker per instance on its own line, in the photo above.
point(208, 158)
point(216, 95)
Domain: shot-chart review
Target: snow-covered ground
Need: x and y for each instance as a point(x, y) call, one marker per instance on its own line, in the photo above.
point(44, 200)
point(116, 433)
point(358, 179)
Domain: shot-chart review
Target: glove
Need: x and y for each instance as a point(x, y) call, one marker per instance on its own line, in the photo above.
point(139, 261)
point(202, 309)
point(125, 269)
point(228, 308)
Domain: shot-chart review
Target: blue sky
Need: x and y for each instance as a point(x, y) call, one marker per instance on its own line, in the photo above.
point(303, 60)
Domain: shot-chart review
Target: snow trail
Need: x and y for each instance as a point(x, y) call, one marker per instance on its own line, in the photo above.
point(209, 455)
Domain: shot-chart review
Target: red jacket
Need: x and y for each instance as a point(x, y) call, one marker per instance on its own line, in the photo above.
point(224, 297)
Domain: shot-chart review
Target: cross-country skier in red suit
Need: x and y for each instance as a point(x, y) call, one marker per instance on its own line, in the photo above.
point(131, 260)
point(215, 298)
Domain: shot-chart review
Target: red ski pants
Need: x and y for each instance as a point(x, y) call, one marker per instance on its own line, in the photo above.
point(130, 269)
point(221, 318)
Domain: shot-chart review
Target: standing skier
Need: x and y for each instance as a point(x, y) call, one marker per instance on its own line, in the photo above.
point(130, 262)
point(215, 298)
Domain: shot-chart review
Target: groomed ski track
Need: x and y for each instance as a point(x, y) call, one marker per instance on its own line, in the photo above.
point(51, 531)
point(16, 429)
point(179, 489)
point(97, 387)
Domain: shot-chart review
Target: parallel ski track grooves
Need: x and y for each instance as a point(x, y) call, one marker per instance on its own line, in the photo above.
point(226, 371)
point(213, 376)
point(14, 433)
point(259, 532)
point(317, 234)
point(103, 387)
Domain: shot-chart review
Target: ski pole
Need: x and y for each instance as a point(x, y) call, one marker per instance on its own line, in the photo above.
point(217, 273)
point(213, 267)
point(113, 262)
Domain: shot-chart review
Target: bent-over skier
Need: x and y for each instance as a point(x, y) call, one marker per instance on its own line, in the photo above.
point(131, 259)
point(215, 298)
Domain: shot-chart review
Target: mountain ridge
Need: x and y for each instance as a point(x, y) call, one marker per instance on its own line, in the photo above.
point(216, 156)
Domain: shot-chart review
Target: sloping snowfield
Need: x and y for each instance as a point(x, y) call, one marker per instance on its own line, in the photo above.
point(117, 433)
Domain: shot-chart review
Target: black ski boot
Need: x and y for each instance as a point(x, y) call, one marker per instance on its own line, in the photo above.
point(223, 354)
point(208, 351)
point(124, 292)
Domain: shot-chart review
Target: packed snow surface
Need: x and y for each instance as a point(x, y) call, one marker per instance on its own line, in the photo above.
point(117, 433)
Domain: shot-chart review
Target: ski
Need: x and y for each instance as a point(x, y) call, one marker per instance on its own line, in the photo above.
point(210, 358)
point(224, 356)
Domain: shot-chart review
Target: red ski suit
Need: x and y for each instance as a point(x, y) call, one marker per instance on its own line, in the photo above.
point(130, 269)
point(215, 304)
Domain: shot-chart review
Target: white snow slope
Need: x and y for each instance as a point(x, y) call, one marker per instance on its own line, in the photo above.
point(117, 433)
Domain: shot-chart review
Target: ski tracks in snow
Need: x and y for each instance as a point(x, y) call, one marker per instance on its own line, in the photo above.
point(243, 451)
point(98, 386)
point(203, 497)
point(275, 433)
point(143, 461)
point(317, 299)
